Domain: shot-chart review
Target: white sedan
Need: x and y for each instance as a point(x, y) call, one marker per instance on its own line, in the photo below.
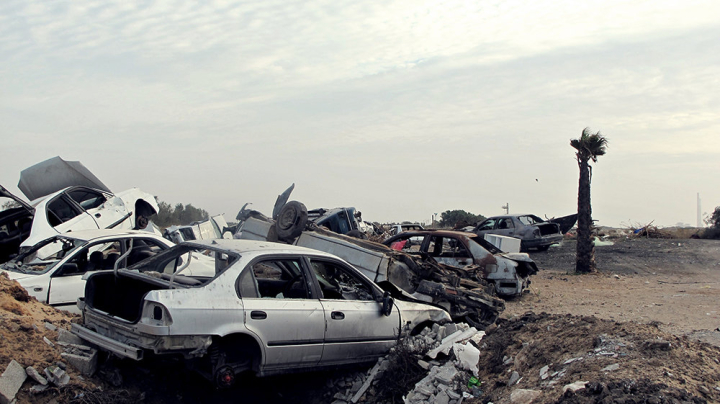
point(58, 279)
point(265, 307)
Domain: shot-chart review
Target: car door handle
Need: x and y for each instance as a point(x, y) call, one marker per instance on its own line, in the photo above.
point(258, 315)
point(97, 215)
point(337, 315)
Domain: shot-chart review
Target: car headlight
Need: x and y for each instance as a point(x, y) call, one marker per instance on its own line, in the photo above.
point(155, 314)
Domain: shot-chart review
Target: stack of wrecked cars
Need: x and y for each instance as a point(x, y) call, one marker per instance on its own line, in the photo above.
point(466, 296)
point(65, 196)
point(233, 306)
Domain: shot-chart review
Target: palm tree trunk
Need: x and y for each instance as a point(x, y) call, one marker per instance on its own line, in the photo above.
point(585, 258)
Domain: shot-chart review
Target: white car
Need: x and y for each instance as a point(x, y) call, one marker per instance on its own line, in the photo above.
point(65, 197)
point(267, 308)
point(57, 279)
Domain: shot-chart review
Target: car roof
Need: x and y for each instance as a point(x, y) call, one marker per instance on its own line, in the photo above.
point(248, 246)
point(93, 234)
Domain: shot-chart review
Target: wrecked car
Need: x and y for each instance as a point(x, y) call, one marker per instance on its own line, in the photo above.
point(413, 276)
point(292, 216)
point(266, 308)
point(57, 279)
point(15, 222)
point(60, 205)
point(209, 229)
point(534, 232)
point(509, 273)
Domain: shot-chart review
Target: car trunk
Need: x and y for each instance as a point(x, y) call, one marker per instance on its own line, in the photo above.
point(548, 228)
point(122, 295)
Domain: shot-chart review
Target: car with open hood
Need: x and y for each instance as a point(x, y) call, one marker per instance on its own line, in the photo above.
point(263, 307)
point(58, 278)
point(65, 197)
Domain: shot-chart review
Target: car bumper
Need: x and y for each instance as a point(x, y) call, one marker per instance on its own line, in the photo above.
point(542, 242)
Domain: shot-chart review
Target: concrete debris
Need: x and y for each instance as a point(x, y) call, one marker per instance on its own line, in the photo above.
point(50, 326)
point(38, 388)
point(81, 357)
point(610, 368)
point(523, 396)
point(35, 375)
point(457, 336)
point(65, 336)
point(10, 382)
point(544, 372)
point(47, 341)
point(367, 382)
point(514, 378)
point(57, 376)
point(574, 387)
point(468, 356)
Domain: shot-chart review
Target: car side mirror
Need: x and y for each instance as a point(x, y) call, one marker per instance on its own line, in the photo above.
point(387, 304)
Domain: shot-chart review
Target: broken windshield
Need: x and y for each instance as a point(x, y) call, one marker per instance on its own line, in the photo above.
point(29, 262)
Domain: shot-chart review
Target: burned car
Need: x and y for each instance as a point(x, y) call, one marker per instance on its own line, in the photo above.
point(534, 232)
point(262, 307)
point(509, 273)
point(57, 279)
point(67, 197)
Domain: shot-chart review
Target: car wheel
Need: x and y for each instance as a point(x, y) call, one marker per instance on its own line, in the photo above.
point(291, 220)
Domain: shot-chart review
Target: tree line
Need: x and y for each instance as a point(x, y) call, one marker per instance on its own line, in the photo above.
point(179, 215)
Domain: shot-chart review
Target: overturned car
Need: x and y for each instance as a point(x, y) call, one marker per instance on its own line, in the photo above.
point(230, 306)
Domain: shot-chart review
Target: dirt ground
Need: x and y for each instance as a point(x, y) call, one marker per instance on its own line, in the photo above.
point(635, 331)
point(675, 282)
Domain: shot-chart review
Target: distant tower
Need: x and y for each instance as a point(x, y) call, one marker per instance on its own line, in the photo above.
point(699, 218)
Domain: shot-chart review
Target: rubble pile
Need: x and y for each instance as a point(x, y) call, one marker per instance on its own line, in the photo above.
point(544, 358)
point(434, 366)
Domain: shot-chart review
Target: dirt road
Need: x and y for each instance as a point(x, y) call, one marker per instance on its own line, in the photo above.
point(673, 282)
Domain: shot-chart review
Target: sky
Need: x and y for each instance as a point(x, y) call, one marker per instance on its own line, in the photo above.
point(402, 109)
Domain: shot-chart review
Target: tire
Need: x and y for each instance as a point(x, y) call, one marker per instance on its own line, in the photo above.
point(291, 220)
point(357, 234)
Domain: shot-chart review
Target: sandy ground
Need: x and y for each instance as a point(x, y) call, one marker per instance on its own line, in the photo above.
point(673, 282)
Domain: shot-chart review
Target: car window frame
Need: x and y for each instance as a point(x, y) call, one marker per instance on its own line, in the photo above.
point(313, 290)
point(376, 291)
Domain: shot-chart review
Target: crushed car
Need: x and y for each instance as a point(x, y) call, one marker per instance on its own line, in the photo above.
point(67, 197)
point(209, 229)
point(533, 232)
point(265, 308)
point(57, 279)
point(422, 278)
point(509, 273)
point(339, 220)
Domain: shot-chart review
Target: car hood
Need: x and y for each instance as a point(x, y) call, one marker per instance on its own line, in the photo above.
point(17, 276)
point(55, 174)
point(4, 192)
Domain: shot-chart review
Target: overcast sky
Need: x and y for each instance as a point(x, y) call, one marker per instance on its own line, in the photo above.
point(399, 108)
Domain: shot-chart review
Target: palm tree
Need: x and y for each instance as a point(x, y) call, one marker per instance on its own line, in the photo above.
point(589, 146)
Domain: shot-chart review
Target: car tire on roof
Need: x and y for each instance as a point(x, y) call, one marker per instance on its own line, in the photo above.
point(291, 220)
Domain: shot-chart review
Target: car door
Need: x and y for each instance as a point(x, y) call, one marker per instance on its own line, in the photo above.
point(279, 307)
point(65, 215)
point(93, 202)
point(357, 331)
point(66, 281)
point(505, 227)
point(448, 250)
